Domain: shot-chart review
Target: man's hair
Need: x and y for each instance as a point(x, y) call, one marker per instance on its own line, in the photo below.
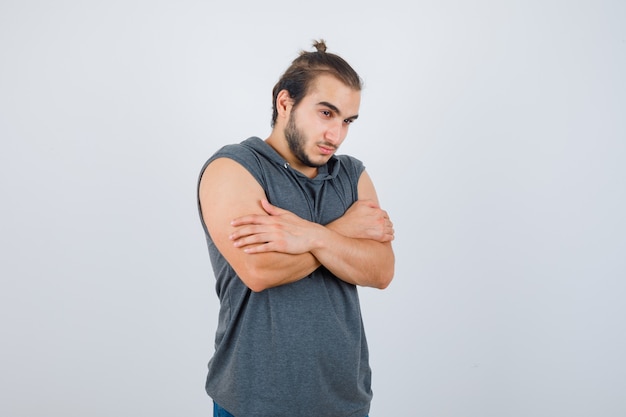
point(299, 77)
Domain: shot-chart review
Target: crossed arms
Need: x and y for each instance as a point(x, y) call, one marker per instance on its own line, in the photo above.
point(268, 246)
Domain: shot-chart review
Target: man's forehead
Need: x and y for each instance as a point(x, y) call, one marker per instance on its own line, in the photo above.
point(329, 82)
point(327, 89)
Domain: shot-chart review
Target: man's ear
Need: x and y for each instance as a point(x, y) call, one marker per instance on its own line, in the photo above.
point(284, 103)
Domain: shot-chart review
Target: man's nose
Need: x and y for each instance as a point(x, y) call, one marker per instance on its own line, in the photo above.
point(333, 134)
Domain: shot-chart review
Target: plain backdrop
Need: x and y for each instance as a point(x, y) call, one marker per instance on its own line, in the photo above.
point(494, 132)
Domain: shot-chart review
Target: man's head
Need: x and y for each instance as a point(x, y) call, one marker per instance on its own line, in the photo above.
point(314, 130)
point(315, 102)
point(304, 70)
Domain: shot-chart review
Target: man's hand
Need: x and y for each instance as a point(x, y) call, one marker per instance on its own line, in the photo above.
point(281, 231)
point(364, 220)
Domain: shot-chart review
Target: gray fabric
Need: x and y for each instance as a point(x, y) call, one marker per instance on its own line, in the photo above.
point(297, 349)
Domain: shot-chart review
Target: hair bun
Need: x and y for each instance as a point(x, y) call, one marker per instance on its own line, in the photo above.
point(320, 45)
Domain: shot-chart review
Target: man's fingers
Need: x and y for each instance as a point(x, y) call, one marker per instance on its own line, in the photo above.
point(271, 209)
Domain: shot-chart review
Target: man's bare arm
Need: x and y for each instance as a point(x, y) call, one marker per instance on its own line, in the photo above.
point(361, 261)
point(367, 258)
point(227, 191)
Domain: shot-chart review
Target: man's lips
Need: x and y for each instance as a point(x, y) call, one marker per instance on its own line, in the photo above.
point(327, 150)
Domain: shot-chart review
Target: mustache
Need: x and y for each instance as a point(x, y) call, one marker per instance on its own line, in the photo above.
point(328, 145)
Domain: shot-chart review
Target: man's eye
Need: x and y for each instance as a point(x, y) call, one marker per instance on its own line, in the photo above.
point(326, 113)
point(348, 121)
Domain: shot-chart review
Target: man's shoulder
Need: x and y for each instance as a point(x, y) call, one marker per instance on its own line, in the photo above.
point(248, 146)
point(242, 153)
point(247, 153)
point(350, 164)
point(348, 158)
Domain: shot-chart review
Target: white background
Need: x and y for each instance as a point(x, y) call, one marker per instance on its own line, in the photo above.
point(495, 135)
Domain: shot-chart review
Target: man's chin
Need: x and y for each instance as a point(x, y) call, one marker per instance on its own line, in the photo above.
point(319, 162)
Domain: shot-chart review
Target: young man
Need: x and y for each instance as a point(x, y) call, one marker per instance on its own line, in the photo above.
point(292, 230)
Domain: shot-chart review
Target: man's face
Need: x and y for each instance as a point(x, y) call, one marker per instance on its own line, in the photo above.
point(319, 124)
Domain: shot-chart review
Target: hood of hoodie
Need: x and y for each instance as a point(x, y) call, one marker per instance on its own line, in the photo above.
point(325, 172)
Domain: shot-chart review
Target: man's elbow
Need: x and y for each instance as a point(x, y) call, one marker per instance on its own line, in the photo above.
point(255, 280)
point(260, 276)
point(387, 269)
point(257, 287)
point(251, 277)
point(385, 273)
point(384, 279)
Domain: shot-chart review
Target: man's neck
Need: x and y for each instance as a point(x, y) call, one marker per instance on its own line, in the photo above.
point(278, 142)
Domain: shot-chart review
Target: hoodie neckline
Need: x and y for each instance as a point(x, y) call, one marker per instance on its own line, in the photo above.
point(324, 172)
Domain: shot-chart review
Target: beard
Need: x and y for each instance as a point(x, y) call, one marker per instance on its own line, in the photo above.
point(296, 141)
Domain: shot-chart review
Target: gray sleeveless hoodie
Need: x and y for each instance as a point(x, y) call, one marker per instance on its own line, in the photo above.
point(297, 350)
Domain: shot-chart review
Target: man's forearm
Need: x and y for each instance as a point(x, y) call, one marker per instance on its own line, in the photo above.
point(356, 259)
point(271, 269)
point(363, 262)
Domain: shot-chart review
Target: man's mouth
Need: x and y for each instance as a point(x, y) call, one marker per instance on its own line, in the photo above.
point(327, 149)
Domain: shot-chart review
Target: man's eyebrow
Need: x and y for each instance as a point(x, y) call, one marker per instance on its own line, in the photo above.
point(336, 109)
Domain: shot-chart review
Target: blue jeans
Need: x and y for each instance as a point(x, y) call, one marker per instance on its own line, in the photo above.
point(220, 412)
